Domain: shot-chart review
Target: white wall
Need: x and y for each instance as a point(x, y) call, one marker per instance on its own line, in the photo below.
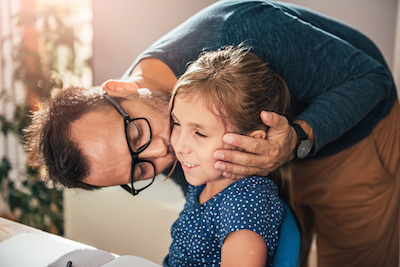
point(123, 29)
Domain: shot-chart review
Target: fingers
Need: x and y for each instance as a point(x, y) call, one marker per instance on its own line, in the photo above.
point(234, 171)
point(256, 156)
point(240, 157)
point(246, 143)
point(279, 127)
point(274, 120)
point(238, 164)
point(117, 87)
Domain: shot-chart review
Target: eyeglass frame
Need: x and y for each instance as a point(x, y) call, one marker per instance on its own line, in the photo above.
point(135, 155)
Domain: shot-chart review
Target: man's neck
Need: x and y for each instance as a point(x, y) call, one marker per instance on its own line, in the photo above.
point(153, 74)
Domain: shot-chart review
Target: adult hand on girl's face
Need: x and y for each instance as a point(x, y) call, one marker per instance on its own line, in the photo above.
point(257, 156)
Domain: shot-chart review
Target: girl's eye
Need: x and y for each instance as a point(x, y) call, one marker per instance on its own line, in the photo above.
point(175, 124)
point(201, 135)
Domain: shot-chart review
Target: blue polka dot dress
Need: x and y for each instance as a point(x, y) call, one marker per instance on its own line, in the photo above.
point(198, 234)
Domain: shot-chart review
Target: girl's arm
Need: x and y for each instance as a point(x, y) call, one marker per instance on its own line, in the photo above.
point(244, 248)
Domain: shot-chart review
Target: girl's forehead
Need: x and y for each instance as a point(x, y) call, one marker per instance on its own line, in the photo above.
point(199, 100)
point(196, 98)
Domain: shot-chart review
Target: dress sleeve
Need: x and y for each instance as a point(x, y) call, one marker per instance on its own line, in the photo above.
point(248, 209)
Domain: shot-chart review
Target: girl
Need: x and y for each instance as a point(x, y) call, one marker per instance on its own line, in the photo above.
point(224, 222)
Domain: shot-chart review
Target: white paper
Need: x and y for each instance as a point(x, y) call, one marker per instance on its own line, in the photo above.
point(31, 249)
point(38, 250)
point(130, 261)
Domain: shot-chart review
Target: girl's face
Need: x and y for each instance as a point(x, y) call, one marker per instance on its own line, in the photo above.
point(196, 134)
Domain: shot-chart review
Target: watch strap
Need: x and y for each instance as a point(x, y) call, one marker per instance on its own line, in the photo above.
point(303, 143)
point(301, 134)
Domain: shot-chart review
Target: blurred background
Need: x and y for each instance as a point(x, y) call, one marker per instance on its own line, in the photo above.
point(47, 45)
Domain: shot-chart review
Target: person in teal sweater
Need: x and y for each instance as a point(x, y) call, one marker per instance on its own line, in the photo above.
point(343, 140)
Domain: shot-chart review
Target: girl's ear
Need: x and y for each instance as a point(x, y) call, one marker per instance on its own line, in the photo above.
point(259, 134)
point(116, 87)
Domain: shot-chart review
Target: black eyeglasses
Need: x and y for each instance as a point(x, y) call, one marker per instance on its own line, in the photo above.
point(138, 137)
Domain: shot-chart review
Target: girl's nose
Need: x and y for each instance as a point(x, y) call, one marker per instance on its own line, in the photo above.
point(180, 145)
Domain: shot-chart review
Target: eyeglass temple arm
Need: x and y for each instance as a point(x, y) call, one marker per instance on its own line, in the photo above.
point(133, 191)
point(127, 188)
point(117, 106)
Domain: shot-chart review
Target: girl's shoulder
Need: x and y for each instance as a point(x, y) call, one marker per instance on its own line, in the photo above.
point(261, 184)
point(251, 191)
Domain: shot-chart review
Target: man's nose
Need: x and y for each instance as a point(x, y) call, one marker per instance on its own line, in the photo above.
point(156, 149)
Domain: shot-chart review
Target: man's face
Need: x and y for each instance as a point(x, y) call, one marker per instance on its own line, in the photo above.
point(101, 137)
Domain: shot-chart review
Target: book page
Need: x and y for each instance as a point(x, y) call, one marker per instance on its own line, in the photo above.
point(32, 249)
point(84, 258)
point(130, 261)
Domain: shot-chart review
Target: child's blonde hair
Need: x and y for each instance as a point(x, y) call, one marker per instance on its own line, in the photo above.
point(236, 85)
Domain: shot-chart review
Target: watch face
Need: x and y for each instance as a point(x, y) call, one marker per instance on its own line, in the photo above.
point(304, 148)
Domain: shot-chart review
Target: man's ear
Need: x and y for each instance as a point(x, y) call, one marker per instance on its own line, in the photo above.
point(259, 134)
point(119, 88)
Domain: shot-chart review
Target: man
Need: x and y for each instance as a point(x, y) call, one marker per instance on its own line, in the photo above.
point(345, 135)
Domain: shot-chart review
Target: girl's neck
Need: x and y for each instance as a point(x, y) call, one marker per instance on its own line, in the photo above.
point(213, 188)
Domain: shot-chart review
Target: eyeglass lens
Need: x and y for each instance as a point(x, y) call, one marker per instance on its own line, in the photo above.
point(143, 170)
point(138, 134)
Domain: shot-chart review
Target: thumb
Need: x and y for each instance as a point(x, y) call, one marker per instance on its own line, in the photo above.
point(274, 120)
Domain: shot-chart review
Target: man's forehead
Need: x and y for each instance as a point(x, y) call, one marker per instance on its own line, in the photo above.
point(98, 115)
point(100, 136)
point(94, 123)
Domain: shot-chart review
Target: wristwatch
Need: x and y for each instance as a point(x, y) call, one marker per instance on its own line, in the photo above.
point(304, 144)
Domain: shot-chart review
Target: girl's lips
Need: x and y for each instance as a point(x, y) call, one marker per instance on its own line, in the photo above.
point(187, 167)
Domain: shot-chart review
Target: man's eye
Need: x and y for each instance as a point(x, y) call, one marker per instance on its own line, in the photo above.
point(138, 172)
point(134, 135)
point(138, 134)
